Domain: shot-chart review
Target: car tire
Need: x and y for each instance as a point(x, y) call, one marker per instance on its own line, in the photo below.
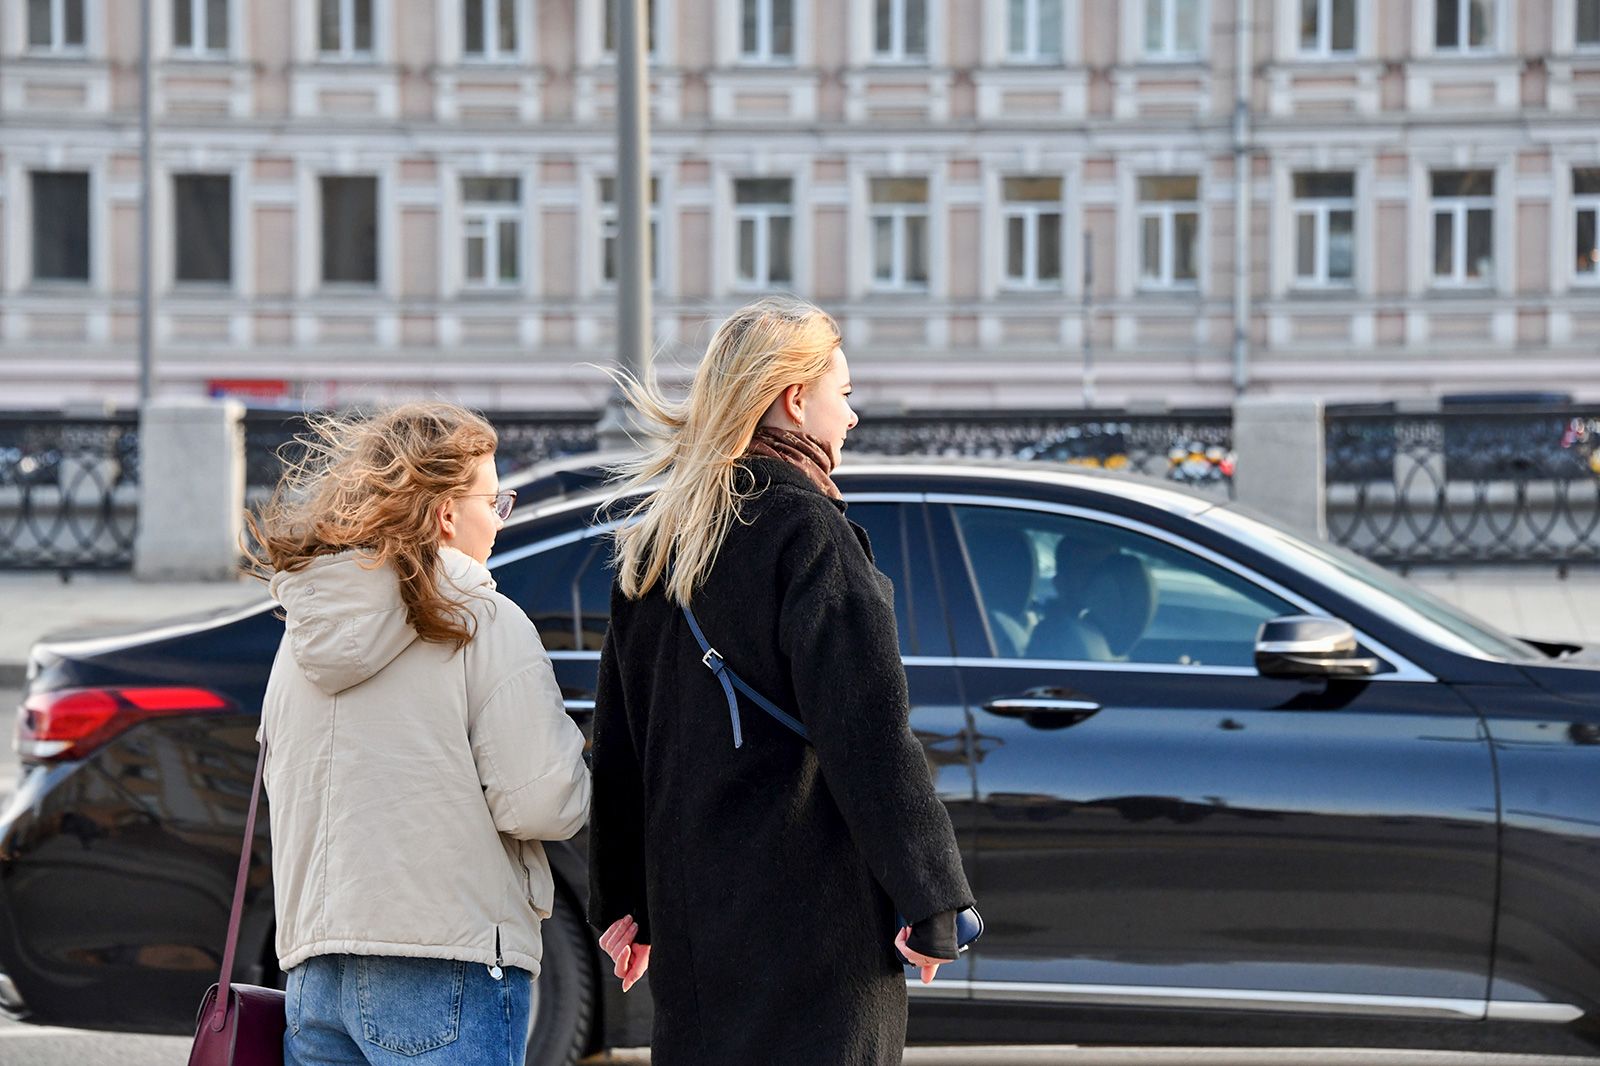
point(564, 995)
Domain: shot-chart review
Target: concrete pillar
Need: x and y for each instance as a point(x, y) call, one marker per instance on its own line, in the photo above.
point(1280, 443)
point(191, 490)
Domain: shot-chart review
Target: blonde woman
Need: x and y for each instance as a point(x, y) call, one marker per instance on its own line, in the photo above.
point(757, 877)
point(417, 749)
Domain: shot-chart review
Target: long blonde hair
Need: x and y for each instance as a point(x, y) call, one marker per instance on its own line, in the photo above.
point(374, 484)
point(760, 350)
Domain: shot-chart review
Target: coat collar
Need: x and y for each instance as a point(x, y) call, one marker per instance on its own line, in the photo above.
point(766, 471)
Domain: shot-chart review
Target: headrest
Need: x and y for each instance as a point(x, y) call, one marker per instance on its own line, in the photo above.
point(1121, 600)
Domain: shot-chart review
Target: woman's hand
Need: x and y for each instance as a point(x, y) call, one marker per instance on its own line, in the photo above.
point(631, 959)
point(927, 966)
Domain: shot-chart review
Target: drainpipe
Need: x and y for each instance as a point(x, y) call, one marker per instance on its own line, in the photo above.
point(1242, 176)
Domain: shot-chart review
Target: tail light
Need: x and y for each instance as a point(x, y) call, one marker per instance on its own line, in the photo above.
point(72, 722)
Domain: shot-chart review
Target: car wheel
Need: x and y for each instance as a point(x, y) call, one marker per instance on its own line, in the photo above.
point(563, 996)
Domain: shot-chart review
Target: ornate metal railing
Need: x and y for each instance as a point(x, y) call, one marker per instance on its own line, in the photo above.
point(526, 438)
point(1189, 447)
point(1511, 484)
point(69, 490)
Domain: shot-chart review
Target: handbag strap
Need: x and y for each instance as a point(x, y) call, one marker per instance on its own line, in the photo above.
point(224, 983)
point(730, 681)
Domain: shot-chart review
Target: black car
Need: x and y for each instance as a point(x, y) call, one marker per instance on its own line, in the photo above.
point(1213, 783)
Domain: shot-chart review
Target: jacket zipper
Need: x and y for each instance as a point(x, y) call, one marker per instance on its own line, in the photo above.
point(495, 971)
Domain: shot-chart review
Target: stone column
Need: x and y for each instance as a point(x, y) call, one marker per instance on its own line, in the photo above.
point(191, 490)
point(1280, 444)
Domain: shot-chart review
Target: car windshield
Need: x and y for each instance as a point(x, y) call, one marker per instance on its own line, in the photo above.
point(1379, 590)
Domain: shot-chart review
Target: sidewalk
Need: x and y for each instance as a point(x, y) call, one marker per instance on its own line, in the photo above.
point(1527, 601)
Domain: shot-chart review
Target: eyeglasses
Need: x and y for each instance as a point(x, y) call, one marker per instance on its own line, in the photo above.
point(503, 501)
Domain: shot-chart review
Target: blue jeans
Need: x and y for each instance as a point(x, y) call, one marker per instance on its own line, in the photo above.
point(361, 1009)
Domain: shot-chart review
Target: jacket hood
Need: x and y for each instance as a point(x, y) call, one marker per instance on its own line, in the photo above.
point(345, 620)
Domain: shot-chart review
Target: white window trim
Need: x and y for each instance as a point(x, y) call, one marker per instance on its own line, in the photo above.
point(1321, 208)
point(58, 30)
point(896, 53)
point(1030, 211)
point(610, 224)
point(1030, 54)
point(1166, 212)
point(763, 55)
point(1169, 52)
point(490, 214)
point(1583, 202)
point(1458, 207)
point(492, 53)
point(898, 214)
point(1324, 49)
point(762, 215)
point(199, 15)
point(1497, 30)
point(347, 52)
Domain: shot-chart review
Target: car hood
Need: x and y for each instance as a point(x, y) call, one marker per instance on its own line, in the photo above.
point(345, 619)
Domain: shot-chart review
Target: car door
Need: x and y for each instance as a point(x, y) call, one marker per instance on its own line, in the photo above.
point(1159, 825)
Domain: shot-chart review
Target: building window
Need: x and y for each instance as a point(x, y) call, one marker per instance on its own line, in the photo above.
point(202, 210)
point(489, 29)
point(60, 226)
point(56, 25)
point(200, 27)
point(1588, 28)
point(1169, 231)
point(1586, 220)
point(1032, 215)
point(766, 31)
point(1463, 226)
point(1171, 29)
point(1327, 27)
point(763, 216)
point(350, 231)
point(346, 29)
point(1463, 25)
point(900, 30)
point(491, 226)
point(610, 229)
point(1324, 229)
point(610, 42)
point(900, 233)
point(1033, 31)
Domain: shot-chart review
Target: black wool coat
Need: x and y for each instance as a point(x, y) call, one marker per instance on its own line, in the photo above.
point(766, 878)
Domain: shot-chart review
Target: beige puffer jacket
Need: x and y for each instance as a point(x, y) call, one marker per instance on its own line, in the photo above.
point(410, 784)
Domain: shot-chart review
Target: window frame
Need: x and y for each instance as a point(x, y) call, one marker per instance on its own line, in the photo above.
point(1032, 53)
point(347, 52)
point(652, 38)
point(1585, 203)
point(761, 214)
point(610, 226)
point(1167, 212)
point(58, 45)
point(491, 215)
point(493, 51)
point(347, 285)
point(87, 281)
point(215, 284)
point(899, 25)
point(1321, 208)
point(1463, 45)
point(199, 31)
point(900, 215)
point(766, 31)
point(1578, 43)
point(1169, 52)
point(1460, 208)
point(1324, 48)
point(1031, 213)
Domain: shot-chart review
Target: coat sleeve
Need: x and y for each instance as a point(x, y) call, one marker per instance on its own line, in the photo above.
point(839, 636)
point(616, 832)
point(529, 753)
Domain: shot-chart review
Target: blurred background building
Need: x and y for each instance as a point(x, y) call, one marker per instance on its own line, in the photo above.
point(356, 199)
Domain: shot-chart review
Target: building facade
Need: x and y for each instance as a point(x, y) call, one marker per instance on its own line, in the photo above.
point(374, 198)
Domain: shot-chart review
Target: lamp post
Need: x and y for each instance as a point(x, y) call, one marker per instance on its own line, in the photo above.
point(146, 180)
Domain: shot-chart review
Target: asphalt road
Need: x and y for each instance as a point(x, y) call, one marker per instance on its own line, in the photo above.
point(30, 1045)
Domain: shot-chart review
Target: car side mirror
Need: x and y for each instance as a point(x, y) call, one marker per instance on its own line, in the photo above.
point(1307, 645)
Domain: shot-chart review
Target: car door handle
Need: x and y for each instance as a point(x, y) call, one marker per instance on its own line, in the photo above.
point(1053, 711)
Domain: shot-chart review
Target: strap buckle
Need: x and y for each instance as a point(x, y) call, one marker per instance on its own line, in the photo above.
point(712, 653)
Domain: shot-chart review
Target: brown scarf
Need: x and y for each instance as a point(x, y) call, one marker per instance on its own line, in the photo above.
point(803, 451)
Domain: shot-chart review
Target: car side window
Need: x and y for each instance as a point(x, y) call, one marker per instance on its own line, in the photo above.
point(1053, 586)
point(545, 586)
point(594, 594)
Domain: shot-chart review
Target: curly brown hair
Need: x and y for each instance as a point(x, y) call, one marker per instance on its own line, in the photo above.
point(374, 484)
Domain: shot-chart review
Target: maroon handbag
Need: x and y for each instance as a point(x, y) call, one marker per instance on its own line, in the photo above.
point(240, 1025)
